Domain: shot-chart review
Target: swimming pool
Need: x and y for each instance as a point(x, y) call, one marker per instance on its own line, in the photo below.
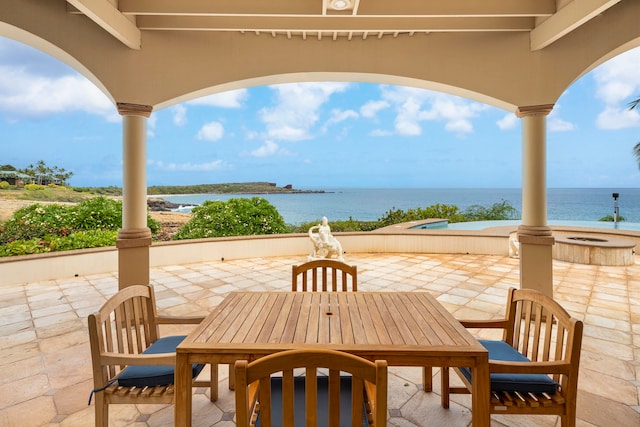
point(481, 225)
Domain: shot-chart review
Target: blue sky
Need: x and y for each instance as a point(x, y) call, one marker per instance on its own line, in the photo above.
point(319, 135)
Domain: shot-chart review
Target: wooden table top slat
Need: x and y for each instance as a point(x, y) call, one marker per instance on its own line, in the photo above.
point(379, 320)
point(289, 331)
point(275, 312)
point(354, 314)
point(413, 333)
point(227, 311)
point(300, 333)
point(277, 332)
point(454, 330)
point(400, 324)
point(380, 327)
point(346, 326)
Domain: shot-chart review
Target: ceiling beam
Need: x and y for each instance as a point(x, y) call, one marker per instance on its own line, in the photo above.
point(331, 23)
point(103, 13)
point(566, 20)
point(425, 8)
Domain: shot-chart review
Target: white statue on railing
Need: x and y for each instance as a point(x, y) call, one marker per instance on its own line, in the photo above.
point(324, 244)
point(514, 246)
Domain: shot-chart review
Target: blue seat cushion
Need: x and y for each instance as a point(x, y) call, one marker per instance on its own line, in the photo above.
point(153, 375)
point(534, 383)
point(323, 402)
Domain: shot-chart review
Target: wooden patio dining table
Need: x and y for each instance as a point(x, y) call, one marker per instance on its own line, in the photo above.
point(403, 328)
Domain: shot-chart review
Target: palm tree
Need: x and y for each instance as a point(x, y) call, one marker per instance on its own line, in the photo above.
point(636, 149)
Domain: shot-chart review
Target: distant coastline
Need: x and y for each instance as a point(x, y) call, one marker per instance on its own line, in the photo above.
point(227, 188)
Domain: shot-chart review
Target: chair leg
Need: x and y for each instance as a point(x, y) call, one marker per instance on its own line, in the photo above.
point(444, 381)
point(214, 382)
point(427, 378)
point(102, 412)
point(568, 420)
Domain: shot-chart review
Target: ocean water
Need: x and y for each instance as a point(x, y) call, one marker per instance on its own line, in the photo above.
point(368, 204)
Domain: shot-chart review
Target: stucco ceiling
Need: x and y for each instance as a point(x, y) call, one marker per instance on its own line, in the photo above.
point(545, 20)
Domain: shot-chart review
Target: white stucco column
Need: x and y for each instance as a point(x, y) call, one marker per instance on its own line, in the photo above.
point(534, 235)
point(134, 238)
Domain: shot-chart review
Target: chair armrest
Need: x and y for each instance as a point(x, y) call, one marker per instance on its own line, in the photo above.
point(138, 359)
point(503, 367)
point(179, 320)
point(493, 324)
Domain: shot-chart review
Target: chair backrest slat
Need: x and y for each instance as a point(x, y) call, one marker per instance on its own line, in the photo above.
point(326, 275)
point(126, 324)
point(287, 398)
point(311, 396)
point(334, 397)
point(540, 327)
point(548, 335)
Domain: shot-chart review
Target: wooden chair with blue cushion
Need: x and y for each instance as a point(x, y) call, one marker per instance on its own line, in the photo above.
point(358, 397)
point(131, 363)
point(534, 368)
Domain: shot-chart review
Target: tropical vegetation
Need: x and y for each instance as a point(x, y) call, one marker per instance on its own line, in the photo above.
point(636, 149)
point(40, 173)
point(235, 217)
point(40, 228)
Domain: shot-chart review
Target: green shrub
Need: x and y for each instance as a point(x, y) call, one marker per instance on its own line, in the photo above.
point(4, 185)
point(609, 218)
point(45, 222)
point(396, 216)
point(79, 240)
point(498, 211)
point(235, 217)
point(34, 187)
point(337, 226)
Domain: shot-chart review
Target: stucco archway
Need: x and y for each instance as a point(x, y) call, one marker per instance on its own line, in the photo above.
point(517, 55)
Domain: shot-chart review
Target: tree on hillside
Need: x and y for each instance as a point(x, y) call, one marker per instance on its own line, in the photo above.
point(43, 174)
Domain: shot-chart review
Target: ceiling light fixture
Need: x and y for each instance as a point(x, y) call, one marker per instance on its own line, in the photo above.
point(340, 4)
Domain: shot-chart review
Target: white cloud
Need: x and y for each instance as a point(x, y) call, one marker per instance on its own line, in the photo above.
point(212, 131)
point(556, 124)
point(338, 116)
point(151, 125)
point(296, 111)
point(268, 149)
point(179, 115)
point(371, 108)
point(188, 167)
point(617, 81)
point(229, 99)
point(509, 121)
point(414, 106)
point(618, 117)
point(24, 94)
point(380, 132)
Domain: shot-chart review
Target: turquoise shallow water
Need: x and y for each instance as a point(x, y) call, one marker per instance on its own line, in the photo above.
point(574, 204)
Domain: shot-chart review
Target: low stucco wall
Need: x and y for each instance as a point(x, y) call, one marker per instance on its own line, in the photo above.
point(35, 268)
point(395, 239)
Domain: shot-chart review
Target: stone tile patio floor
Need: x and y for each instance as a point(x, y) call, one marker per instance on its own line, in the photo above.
point(45, 359)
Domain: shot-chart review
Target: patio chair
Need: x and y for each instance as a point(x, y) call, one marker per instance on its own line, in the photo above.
point(131, 362)
point(324, 275)
point(358, 399)
point(534, 368)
